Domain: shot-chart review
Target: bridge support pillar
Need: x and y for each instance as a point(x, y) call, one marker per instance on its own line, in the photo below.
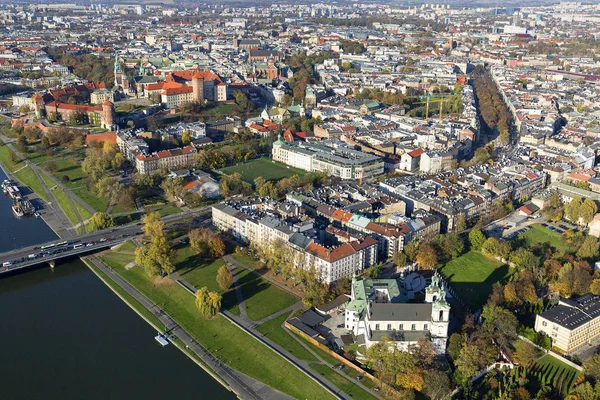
point(52, 264)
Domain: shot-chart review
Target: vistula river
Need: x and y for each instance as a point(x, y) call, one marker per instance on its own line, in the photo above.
point(65, 335)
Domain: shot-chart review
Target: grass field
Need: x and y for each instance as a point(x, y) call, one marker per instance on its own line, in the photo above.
point(65, 205)
point(128, 246)
point(263, 167)
point(272, 330)
point(472, 276)
point(5, 158)
point(349, 387)
point(260, 297)
point(540, 234)
point(28, 177)
point(236, 348)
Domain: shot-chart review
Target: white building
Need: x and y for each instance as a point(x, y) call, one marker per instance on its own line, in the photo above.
point(572, 323)
point(379, 308)
point(342, 161)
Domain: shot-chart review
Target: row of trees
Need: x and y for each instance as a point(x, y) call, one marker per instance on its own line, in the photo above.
point(496, 118)
point(303, 67)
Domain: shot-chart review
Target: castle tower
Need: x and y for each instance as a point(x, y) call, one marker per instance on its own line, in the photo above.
point(198, 87)
point(108, 115)
point(38, 105)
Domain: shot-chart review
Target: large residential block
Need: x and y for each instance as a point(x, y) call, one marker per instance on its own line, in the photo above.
point(572, 323)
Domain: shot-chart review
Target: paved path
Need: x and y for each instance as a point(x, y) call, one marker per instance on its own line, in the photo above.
point(53, 216)
point(238, 293)
point(249, 326)
point(244, 386)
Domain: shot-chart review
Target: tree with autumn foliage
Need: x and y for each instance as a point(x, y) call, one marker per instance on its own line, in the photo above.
point(427, 256)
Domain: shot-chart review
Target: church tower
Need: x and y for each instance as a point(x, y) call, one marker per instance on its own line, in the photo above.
point(435, 294)
point(118, 71)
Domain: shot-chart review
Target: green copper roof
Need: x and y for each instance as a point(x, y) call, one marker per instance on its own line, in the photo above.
point(118, 69)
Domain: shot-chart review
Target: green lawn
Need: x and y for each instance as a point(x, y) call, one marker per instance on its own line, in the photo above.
point(260, 297)
point(349, 387)
point(97, 203)
point(223, 339)
point(128, 246)
point(273, 330)
point(163, 210)
point(472, 276)
point(540, 234)
point(5, 158)
point(263, 167)
point(247, 260)
point(65, 205)
point(201, 272)
point(28, 178)
point(85, 214)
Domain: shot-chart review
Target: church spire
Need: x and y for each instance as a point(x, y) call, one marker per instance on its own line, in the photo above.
point(118, 69)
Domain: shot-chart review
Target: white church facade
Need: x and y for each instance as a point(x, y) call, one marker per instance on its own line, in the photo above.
point(380, 308)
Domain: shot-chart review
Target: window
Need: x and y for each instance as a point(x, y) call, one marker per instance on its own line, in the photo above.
point(425, 327)
point(413, 327)
point(389, 327)
point(401, 326)
point(376, 327)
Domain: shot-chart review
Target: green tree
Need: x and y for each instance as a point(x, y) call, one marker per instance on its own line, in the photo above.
point(101, 220)
point(427, 256)
point(208, 302)
point(224, 277)
point(501, 324)
point(476, 239)
point(400, 259)
point(572, 209)
point(525, 352)
point(587, 210)
point(589, 248)
point(524, 259)
point(185, 138)
point(461, 223)
point(411, 249)
point(157, 257)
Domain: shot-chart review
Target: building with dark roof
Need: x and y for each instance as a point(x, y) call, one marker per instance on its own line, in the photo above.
point(380, 308)
point(572, 323)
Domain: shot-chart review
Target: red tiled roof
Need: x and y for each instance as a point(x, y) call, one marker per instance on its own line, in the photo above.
point(75, 107)
point(416, 152)
point(110, 137)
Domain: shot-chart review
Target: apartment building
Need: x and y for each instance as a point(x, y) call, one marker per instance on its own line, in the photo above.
point(331, 263)
point(341, 161)
point(166, 159)
point(572, 323)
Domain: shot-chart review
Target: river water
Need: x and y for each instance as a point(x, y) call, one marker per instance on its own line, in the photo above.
point(65, 335)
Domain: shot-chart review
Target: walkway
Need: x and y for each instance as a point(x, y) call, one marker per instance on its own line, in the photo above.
point(244, 386)
point(250, 326)
point(53, 216)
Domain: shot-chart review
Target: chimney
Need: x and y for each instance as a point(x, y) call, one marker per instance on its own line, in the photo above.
point(395, 145)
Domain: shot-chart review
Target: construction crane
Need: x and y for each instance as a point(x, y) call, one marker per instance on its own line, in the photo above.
point(441, 101)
